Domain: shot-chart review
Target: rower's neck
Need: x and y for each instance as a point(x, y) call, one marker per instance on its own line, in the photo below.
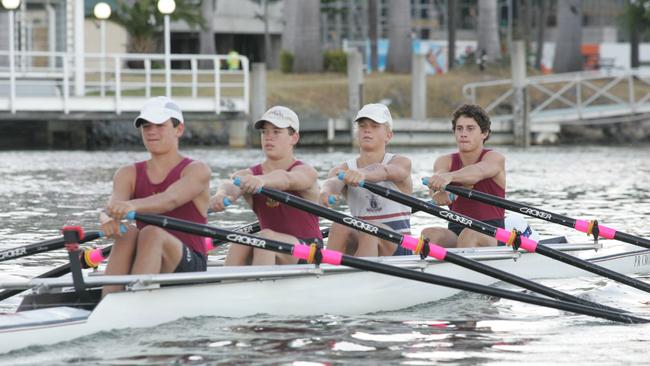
point(162, 164)
point(370, 157)
point(276, 164)
point(470, 157)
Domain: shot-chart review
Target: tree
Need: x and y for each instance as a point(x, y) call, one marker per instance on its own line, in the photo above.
point(400, 49)
point(206, 35)
point(303, 34)
point(569, 36)
point(636, 21)
point(373, 33)
point(451, 34)
point(488, 30)
point(541, 27)
point(143, 22)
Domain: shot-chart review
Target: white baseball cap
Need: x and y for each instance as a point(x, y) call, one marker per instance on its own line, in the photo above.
point(281, 117)
point(376, 112)
point(519, 223)
point(159, 110)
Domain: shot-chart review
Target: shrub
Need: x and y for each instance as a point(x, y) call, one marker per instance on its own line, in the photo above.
point(286, 61)
point(335, 61)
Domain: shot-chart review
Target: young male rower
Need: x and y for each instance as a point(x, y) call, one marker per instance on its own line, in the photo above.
point(475, 167)
point(167, 183)
point(282, 171)
point(375, 165)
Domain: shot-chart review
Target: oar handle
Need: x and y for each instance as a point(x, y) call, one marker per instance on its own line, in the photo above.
point(331, 199)
point(237, 181)
point(425, 181)
point(341, 176)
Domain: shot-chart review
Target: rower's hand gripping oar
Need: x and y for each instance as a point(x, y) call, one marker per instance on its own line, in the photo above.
point(419, 246)
point(590, 227)
point(313, 254)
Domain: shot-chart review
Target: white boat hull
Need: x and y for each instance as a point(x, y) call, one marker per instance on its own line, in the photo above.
point(333, 291)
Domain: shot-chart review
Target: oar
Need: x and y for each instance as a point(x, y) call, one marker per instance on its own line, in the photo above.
point(418, 245)
point(313, 254)
point(102, 253)
point(44, 246)
point(511, 238)
point(590, 227)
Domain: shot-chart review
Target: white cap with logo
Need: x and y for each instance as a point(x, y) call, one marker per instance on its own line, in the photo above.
point(376, 112)
point(281, 117)
point(159, 110)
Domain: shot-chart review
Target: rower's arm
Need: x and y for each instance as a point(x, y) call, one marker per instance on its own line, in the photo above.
point(333, 185)
point(492, 164)
point(397, 170)
point(300, 178)
point(195, 179)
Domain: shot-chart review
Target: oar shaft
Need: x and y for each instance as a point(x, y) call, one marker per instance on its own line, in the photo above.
point(589, 267)
point(580, 225)
point(435, 251)
point(43, 246)
point(336, 258)
point(501, 234)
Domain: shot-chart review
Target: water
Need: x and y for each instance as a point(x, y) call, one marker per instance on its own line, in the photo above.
point(40, 191)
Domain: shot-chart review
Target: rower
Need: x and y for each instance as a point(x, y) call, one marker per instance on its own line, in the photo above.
point(280, 170)
point(167, 183)
point(374, 164)
point(472, 166)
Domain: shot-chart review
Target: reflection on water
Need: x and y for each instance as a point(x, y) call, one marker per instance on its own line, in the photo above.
point(42, 191)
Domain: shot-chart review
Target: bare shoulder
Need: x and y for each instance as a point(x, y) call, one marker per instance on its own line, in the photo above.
point(400, 159)
point(495, 156)
point(197, 168)
point(443, 163)
point(305, 169)
point(125, 173)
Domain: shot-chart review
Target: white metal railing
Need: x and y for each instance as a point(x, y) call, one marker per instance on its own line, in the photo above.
point(622, 92)
point(116, 78)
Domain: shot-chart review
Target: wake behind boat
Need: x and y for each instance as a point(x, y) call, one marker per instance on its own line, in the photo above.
point(54, 312)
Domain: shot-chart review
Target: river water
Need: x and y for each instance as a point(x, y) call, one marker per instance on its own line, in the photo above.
point(42, 190)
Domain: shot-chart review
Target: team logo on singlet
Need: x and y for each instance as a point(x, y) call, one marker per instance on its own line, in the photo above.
point(272, 203)
point(373, 203)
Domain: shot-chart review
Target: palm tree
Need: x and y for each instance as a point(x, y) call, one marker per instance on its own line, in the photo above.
point(569, 36)
point(143, 22)
point(541, 27)
point(636, 20)
point(451, 34)
point(206, 35)
point(399, 36)
point(488, 30)
point(303, 25)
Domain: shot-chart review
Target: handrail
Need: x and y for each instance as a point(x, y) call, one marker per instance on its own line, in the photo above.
point(623, 91)
point(117, 78)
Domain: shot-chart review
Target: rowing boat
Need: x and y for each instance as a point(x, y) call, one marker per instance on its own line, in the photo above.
point(54, 312)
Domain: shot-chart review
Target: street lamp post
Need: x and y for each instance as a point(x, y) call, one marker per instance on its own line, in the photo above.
point(166, 7)
point(11, 5)
point(102, 12)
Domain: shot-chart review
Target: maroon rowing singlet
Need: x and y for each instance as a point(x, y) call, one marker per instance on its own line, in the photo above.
point(282, 218)
point(475, 209)
point(145, 188)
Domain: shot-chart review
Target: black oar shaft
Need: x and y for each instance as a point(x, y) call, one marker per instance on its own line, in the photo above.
point(363, 264)
point(589, 267)
point(540, 213)
point(397, 238)
point(491, 231)
point(43, 246)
